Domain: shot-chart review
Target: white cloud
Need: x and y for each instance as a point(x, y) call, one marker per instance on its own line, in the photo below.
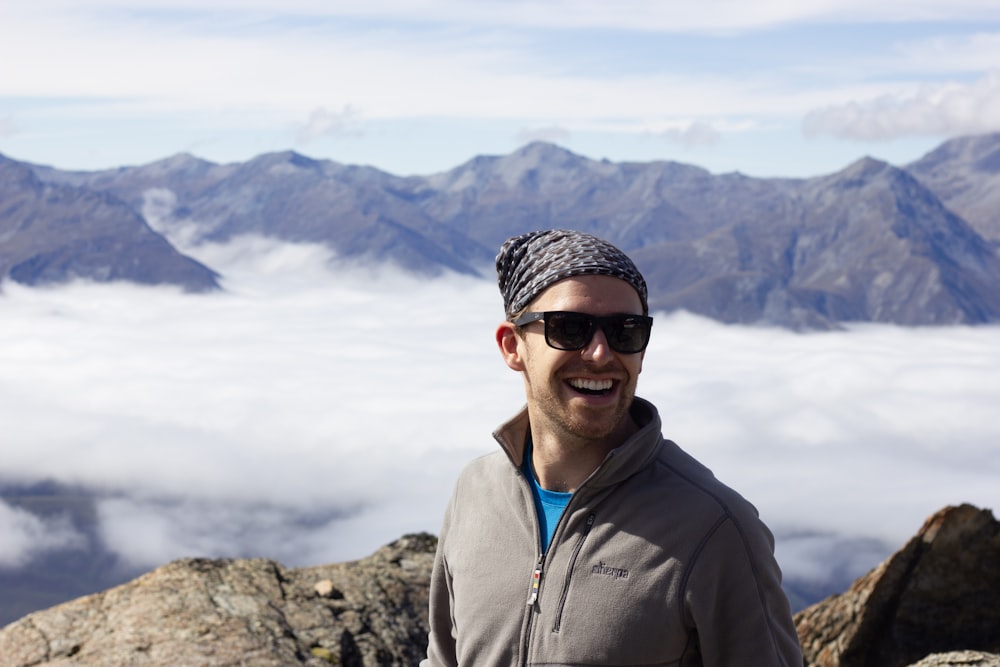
point(324, 123)
point(697, 133)
point(312, 416)
point(420, 87)
point(24, 535)
point(939, 110)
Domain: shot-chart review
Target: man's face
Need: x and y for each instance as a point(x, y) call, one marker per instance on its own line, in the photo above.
point(583, 394)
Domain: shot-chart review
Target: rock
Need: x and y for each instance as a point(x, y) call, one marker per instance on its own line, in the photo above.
point(936, 602)
point(960, 658)
point(939, 593)
point(253, 612)
point(326, 589)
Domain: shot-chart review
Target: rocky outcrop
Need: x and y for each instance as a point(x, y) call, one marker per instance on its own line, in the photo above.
point(935, 603)
point(940, 593)
point(955, 658)
point(201, 612)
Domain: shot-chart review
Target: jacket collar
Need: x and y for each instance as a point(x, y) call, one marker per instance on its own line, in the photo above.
point(622, 462)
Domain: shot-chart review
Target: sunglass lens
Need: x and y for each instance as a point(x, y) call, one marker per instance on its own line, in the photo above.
point(568, 331)
point(627, 335)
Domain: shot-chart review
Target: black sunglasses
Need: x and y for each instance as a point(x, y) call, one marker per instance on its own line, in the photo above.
point(626, 334)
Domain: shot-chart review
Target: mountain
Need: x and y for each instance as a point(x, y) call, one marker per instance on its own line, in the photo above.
point(965, 174)
point(52, 233)
point(871, 243)
point(934, 602)
point(360, 212)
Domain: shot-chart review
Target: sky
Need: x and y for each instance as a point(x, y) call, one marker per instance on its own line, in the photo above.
point(766, 88)
point(311, 415)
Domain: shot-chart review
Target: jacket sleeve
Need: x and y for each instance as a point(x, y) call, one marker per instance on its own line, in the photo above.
point(441, 650)
point(734, 598)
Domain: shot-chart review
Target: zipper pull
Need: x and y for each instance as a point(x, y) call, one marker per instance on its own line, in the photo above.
point(536, 579)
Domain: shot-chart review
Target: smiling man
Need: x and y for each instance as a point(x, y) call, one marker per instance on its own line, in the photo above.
point(589, 539)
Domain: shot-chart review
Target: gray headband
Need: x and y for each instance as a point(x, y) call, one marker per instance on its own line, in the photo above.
point(529, 263)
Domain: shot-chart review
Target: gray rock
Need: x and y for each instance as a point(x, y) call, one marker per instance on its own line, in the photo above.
point(974, 658)
point(252, 612)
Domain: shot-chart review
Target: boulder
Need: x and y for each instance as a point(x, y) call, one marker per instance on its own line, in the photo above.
point(940, 593)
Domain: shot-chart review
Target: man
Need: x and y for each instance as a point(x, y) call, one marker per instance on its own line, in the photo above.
point(589, 539)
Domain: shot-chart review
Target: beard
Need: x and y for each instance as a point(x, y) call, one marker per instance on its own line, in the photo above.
point(574, 420)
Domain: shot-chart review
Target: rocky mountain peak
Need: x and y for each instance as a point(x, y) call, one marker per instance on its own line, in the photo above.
point(965, 174)
point(982, 153)
point(541, 165)
point(864, 169)
point(285, 161)
point(940, 593)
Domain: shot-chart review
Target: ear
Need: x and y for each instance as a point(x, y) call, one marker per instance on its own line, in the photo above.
point(510, 345)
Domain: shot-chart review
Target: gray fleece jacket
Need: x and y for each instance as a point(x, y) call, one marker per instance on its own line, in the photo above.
point(654, 562)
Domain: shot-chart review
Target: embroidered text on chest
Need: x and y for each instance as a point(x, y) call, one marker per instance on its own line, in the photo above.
point(613, 572)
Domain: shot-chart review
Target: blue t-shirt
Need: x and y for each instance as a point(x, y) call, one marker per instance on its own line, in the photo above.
point(549, 505)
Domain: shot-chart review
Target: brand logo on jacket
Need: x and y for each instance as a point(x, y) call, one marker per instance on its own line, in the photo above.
point(607, 571)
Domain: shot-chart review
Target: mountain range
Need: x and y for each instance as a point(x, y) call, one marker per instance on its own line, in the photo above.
point(912, 245)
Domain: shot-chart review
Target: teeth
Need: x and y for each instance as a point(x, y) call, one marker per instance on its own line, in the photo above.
point(591, 385)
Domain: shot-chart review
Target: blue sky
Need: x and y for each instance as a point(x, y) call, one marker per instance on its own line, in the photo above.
point(768, 88)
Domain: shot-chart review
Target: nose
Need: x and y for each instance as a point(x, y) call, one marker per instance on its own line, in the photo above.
point(598, 350)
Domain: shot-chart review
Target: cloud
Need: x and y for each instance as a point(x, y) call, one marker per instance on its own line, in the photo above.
point(312, 414)
point(323, 123)
point(423, 86)
point(24, 535)
point(938, 110)
point(144, 532)
point(695, 134)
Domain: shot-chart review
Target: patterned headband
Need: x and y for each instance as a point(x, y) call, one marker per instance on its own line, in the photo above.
point(529, 263)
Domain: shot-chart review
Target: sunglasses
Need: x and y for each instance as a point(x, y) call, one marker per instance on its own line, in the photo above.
point(626, 334)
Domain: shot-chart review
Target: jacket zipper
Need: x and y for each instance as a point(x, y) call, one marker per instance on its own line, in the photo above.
point(536, 575)
point(536, 580)
point(569, 571)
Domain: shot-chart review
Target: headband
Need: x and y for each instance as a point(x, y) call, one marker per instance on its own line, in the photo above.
point(529, 263)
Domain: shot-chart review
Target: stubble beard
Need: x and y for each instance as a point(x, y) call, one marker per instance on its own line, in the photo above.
point(581, 424)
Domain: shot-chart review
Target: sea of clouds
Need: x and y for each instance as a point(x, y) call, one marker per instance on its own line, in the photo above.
point(311, 414)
